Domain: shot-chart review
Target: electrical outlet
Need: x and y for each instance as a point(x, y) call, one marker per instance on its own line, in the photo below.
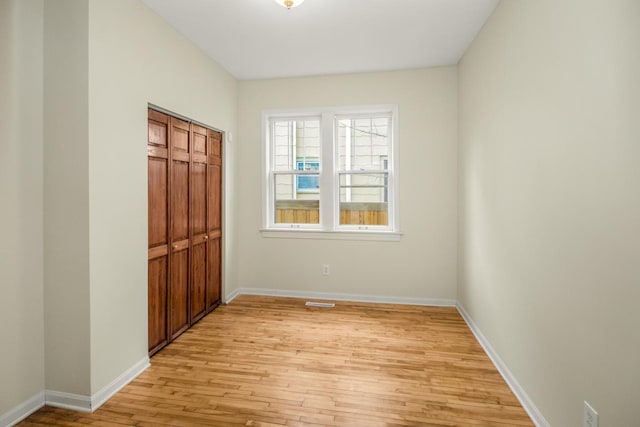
point(325, 269)
point(590, 416)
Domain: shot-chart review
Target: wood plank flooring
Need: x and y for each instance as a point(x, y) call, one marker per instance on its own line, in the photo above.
point(263, 361)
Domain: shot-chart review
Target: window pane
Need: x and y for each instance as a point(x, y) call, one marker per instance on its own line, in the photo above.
point(295, 141)
point(364, 199)
point(294, 203)
point(364, 143)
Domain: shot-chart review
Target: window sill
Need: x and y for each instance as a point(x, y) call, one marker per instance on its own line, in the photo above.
point(385, 236)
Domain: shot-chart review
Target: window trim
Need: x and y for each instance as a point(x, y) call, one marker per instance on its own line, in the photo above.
point(329, 227)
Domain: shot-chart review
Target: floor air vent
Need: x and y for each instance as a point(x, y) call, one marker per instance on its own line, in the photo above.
point(319, 304)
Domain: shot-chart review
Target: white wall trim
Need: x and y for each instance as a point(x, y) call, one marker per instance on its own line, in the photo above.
point(231, 296)
point(22, 411)
point(81, 403)
point(284, 233)
point(516, 388)
point(342, 297)
point(116, 385)
point(75, 402)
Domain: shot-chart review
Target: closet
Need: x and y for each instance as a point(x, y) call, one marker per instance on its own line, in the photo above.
point(185, 227)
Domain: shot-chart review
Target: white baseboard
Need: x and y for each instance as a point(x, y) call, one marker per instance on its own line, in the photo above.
point(526, 402)
point(341, 297)
point(22, 411)
point(75, 402)
point(81, 403)
point(231, 296)
point(116, 385)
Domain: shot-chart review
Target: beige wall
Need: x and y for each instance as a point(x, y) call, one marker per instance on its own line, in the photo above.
point(138, 61)
point(21, 247)
point(549, 201)
point(423, 263)
point(66, 197)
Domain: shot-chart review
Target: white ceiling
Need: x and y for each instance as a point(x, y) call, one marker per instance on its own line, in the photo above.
point(257, 39)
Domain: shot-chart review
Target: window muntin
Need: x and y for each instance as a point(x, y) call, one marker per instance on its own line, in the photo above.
point(331, 171)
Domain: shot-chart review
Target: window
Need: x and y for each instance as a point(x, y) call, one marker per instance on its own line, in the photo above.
point(331, 172)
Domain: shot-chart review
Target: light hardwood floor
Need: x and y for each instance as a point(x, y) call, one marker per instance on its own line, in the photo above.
point(263, 361)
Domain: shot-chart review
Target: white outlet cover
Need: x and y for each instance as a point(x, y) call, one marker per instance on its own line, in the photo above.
point(590, 416)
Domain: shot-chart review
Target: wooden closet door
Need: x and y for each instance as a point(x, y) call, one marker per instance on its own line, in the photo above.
point(158, 175)
point(179, 139)
point(185, 227)
point(214, 219)
point(199, 190)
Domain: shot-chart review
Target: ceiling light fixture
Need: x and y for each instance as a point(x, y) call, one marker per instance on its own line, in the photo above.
point(289, 3)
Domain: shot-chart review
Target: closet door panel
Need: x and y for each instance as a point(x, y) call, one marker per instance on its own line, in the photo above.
point(214, 162)
point(199, 198)
point(179, 180)
point(179, 290)
point(158, 215)
point(199, 135)
point(213, 272)
point(199, 229)
point(157, 289)
point(198, 221)
point(215, 236)
point(180, 201)
point(215, 144)
point(158, 128)
point(179, 135)
point(214, 218)
point(215, 181)
point(180, 227)
point(158, 229)
point(198, 282)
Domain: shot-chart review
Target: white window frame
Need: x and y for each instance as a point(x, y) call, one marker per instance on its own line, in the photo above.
point(329, 227)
